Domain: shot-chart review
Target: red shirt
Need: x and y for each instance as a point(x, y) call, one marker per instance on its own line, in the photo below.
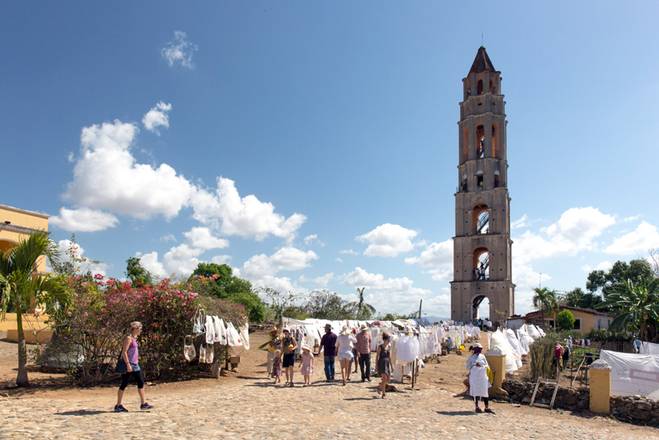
point(364, 342)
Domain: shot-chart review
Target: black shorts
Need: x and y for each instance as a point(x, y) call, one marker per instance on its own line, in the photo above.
point(289, 360)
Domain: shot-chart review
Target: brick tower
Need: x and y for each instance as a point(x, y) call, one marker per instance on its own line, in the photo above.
point(482, 245)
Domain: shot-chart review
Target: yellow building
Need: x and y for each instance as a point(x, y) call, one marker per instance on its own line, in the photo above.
point(585, 320)
point(17, 224)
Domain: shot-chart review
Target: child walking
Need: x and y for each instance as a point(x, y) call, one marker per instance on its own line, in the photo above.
point(276, 366)
point(307, 364)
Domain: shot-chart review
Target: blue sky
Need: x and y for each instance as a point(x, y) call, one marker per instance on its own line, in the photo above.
point(335, 120)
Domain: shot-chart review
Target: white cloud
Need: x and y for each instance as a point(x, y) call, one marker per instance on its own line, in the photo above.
point(168, 237)
point(396, 294)
point(181, 260)
point(157, 116)
point(311, 239)
point(575, 231)
point(631, 218)
point(179, 50)
point(324, 280)
point(150, 262)
point(437, 259)
point(521, 222)
point(107, 176)
point(603, 265)
point(388, 240)
point(348, 252)
point(640, 240)
point(83, 220)
point(221, 259)
point(285, 259)
point(242, 216)
point(339, 260)
point(70, 251)
point(202, 238)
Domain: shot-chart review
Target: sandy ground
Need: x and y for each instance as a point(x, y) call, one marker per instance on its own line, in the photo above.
point(247, 405)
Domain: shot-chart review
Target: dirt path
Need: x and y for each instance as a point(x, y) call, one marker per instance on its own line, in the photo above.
point(249, 406)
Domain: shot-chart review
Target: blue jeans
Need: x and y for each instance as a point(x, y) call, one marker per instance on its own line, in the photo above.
point(329, 367)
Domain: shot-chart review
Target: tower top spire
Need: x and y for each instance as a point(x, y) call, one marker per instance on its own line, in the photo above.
point(482, 62)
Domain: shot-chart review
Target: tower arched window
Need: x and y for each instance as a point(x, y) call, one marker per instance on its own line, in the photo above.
point(481, 264)
point(480, 142)
point(480, 182)
point(480, 218)
point(479, 87)
point(497, 179)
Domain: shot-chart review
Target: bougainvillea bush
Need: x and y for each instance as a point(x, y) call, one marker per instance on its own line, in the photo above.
point(88, 333)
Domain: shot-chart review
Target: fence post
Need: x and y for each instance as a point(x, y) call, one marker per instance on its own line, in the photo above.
point(497, 362)
point(600, 387)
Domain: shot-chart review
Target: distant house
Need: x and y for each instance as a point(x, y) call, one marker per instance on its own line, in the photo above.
point(585, 320)
point(17, 224)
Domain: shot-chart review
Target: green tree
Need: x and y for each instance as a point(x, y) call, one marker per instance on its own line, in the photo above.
point(23, 287)
point(565, 320)
point(635, 306)
point(223, 284)
point(636, 271)
point(578, 298)
point(546, 300)
point(323, 304)
point(279, 302)
point(136, 273)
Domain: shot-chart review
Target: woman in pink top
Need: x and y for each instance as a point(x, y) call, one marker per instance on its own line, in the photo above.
point(129, 367)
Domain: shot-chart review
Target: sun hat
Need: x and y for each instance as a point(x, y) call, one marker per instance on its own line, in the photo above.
point(477, 345)
point(345, 331)
point(286, 330)
point(329, 326)
point(306, 347)
point(363, 328)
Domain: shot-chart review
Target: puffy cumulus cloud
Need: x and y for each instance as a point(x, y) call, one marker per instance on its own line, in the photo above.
point(262, 270)
point(437, 259)
point(242, 216)
point(202, 238)
point(71, 252)
point(285, 259)
point(397, 294)
point(388, 240)
point(157, 116)
point(83, 220)
point(638, 241)
point(221, 259)
point(151, 263)
point(181, 260)
point(526, 278)
point(179, 51)
point(575, 231)
point(107, 176)
point(320, 281)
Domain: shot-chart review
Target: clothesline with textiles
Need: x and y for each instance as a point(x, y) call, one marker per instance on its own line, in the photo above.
point(213, 330)
point(514, 343)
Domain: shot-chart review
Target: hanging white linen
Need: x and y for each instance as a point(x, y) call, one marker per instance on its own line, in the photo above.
point(210, 330)
point(244, 334)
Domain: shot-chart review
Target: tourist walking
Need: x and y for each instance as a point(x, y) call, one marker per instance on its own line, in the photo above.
point(328, 345)
point(271, 346)
point(355, 354)
point(383, 362)
point(478, 381)
point(288, 362)
point(276, 366)
point(129, 367)
point(344, 345)
point(363, 347)
point(306, 364)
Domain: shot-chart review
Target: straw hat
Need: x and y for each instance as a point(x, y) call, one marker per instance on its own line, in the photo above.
point(305, 347)
point(363, 328)
point(477, 345)
point(345, 331)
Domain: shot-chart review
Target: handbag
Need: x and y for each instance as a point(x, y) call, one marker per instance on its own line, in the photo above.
point(210, 353)
point(121, 366)
point(189, 352)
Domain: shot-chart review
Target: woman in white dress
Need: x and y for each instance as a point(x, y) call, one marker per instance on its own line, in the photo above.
point(478, 380)
point(344, 345)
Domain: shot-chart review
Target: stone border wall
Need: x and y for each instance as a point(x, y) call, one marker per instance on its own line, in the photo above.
point(633, 409)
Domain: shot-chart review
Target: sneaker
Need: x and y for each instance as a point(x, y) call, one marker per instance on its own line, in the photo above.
point(120, 408)
point(478, 410)
point(146, 406)
point(489, 411)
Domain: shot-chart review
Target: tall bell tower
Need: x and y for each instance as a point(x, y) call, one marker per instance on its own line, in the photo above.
point(482, 245)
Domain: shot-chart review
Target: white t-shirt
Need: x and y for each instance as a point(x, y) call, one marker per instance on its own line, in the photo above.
point(345, 343)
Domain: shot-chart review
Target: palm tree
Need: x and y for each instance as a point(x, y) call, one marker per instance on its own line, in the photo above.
point(636, 306)
point(363, 310)
point(547, 301)
point(22, 287)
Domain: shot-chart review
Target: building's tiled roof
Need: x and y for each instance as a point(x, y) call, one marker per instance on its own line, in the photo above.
point(536, 313)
